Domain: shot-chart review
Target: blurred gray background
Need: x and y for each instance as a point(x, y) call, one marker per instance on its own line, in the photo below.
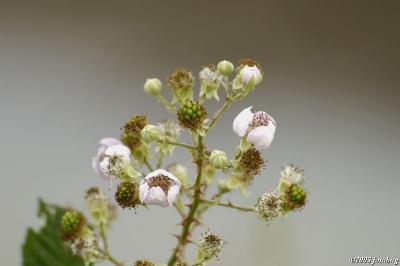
point(71, 72)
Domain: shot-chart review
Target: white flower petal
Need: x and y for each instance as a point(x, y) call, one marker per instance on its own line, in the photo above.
point(156, 196)
point(262, 136)
point(162, 172)
point(108, 142)
point(242, 121)
point(119, 150)
point(143, 191)
point(249, 72)
point(173, 193)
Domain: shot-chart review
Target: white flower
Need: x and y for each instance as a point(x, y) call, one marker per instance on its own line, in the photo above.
point(159, 188)
point(249, 72)
point(258, 128)
point(111, 157)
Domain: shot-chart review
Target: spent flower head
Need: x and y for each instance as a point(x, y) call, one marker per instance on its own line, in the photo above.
point(181, 83)
point(87, 247)
point(127, 195)
point(252, 162)
point(268, 206)
point(211, 80)
point(209, 246)
point(143, 262)
point(97, 205)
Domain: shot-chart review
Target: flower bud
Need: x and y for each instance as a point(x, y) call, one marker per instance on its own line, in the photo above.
point(225, 67)
point(73, 224)
point(150, 133)
point(152, 86)
point(218, 159)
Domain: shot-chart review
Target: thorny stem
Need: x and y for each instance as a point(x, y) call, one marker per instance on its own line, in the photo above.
point(167, 104)
point(229, 205)
point(195, 204)
point(220, 111)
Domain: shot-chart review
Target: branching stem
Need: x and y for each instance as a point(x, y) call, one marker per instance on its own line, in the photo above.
point(220, 111)
point(195, 204)
point(229, 205)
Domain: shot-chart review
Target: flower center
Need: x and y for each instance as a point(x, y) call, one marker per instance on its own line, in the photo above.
point(261, 118)
point(115, 165)
point(162, 181)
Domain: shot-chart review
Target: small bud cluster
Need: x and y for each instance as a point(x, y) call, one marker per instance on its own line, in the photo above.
point(191, 114)
point(127, 195)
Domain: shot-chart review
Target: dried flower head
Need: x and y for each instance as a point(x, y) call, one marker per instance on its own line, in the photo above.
point(293, 174)
point(135, 124)
point(191, 114)
point(143, 262)
point(209, 246)
point(268, 206)
point(72, 225)
point(127, 195)
point(252, 162)
point(211, 80)
point(97, 205)
point(181, 83)
point(87, 247)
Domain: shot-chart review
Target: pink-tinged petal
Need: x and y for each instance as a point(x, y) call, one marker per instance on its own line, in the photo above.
point(261, 137)
point(108, 142)
point(242, 121)
point(119, 150)
point(156, 196)
point(173, 193)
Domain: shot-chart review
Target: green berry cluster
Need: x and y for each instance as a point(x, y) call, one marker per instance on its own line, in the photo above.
point(295, 198)
point(72, 224)
point(191, 114)
point(127, 195)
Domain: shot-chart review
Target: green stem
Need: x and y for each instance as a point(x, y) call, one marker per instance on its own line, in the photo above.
point(229, 205)
point(218, 114)
point(195, 204)
point(146, 162)
point(180, 144)
point(167, 104)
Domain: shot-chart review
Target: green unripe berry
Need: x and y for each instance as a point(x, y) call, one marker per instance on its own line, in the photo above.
point(225, 68)
point(72, 225)
point(191, 114)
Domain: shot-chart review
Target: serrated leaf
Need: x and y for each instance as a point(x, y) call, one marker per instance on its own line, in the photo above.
point(45, 246)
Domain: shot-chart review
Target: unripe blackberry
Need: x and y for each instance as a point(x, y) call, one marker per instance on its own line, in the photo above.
point(127, 195)
point(191, 114)
point(72, 225)
point(295, 198)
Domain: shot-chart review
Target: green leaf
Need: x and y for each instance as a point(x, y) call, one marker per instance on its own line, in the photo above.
point(45, 246)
